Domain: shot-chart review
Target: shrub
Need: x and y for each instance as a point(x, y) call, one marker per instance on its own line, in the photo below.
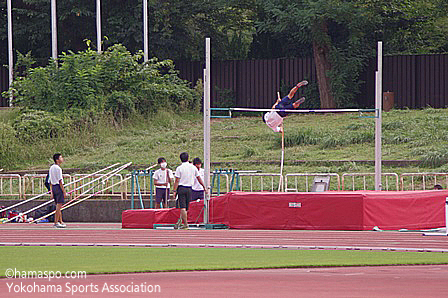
point(112, 81)
point(32, 125)
point(8, 145)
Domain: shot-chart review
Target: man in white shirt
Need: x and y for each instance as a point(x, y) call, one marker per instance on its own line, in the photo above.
point(197, 189)
point(57, 188)
point(163, 178)
point(185, 175)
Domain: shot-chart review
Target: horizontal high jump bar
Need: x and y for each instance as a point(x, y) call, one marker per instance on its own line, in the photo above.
point(230, 110)
point(296, 111)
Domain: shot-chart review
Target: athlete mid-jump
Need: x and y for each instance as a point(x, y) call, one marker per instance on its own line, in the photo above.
point(274, 118)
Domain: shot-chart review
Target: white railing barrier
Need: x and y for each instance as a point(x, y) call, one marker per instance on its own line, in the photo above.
point(99, 188)
point(428, 180)
point(34, 184)
point(372, 175)
point(15, 189)
point(274, 186)
point(307, 184)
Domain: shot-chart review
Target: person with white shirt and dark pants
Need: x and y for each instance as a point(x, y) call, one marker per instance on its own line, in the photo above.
point(197, 189)
point(163, 178)
point(186, 174)
point(57, 190)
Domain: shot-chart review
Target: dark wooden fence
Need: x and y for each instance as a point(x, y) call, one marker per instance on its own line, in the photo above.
point(416, 80)
point(254, 82)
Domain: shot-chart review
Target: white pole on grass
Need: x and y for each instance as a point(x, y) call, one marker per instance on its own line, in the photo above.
point(378, 107)
point(145, 31)
point(10, 52)
point(54, 32)
point(98, 25)
point(207, 81)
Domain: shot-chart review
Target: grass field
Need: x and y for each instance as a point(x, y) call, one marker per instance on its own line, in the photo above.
point(128, 259)
point(244, 143)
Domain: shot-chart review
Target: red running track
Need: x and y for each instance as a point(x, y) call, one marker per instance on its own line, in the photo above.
point(393, 281)
point(112, 234)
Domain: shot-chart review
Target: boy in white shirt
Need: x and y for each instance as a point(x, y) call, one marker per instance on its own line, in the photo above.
point(186, 174)
point(57, 188)
point(197, 189)
point(163, 178)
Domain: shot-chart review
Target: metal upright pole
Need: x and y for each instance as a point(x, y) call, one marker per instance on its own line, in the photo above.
point(54, 32)
point(10, 52)
point(145, 31)
point(378, 119)
point(98, 25)
point(207, 81)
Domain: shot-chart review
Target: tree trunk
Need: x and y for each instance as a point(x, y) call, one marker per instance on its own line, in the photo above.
point(321, 52)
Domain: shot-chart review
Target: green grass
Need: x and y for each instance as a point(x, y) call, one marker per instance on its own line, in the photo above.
point(127, 259)
point(408, 135)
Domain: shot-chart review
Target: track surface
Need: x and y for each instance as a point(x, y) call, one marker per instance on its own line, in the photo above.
point(112, 234)
point(409, 281)
point(393, 281)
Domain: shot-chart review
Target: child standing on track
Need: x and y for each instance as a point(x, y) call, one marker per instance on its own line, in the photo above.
point(186, 175)
point(198, 190)
point(163, 178)
point(57, 189)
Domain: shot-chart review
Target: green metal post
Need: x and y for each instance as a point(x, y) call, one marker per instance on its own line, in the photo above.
point(139, 192)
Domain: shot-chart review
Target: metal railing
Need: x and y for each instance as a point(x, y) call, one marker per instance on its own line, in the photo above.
point(98, 188)
point(370, 186)
point(420, 181)
point(307, 184)
point(34, 184)
point(261, 184)
point(217, 190)
point(12, 187)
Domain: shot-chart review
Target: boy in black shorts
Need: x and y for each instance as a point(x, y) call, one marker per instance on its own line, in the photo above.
point(57, 189)
point(185, 175)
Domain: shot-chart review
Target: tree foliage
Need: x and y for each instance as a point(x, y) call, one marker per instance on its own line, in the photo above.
point(115, 81)
point(176, 28)
point(343, 34)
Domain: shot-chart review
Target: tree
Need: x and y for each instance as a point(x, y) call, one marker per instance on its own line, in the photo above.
point(343, 35)
point(176, 28)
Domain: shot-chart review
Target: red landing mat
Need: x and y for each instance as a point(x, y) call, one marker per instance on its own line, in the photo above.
point(359, 210)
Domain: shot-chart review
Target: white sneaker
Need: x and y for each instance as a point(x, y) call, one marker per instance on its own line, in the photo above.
point(63, 225)
point(59, 225)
